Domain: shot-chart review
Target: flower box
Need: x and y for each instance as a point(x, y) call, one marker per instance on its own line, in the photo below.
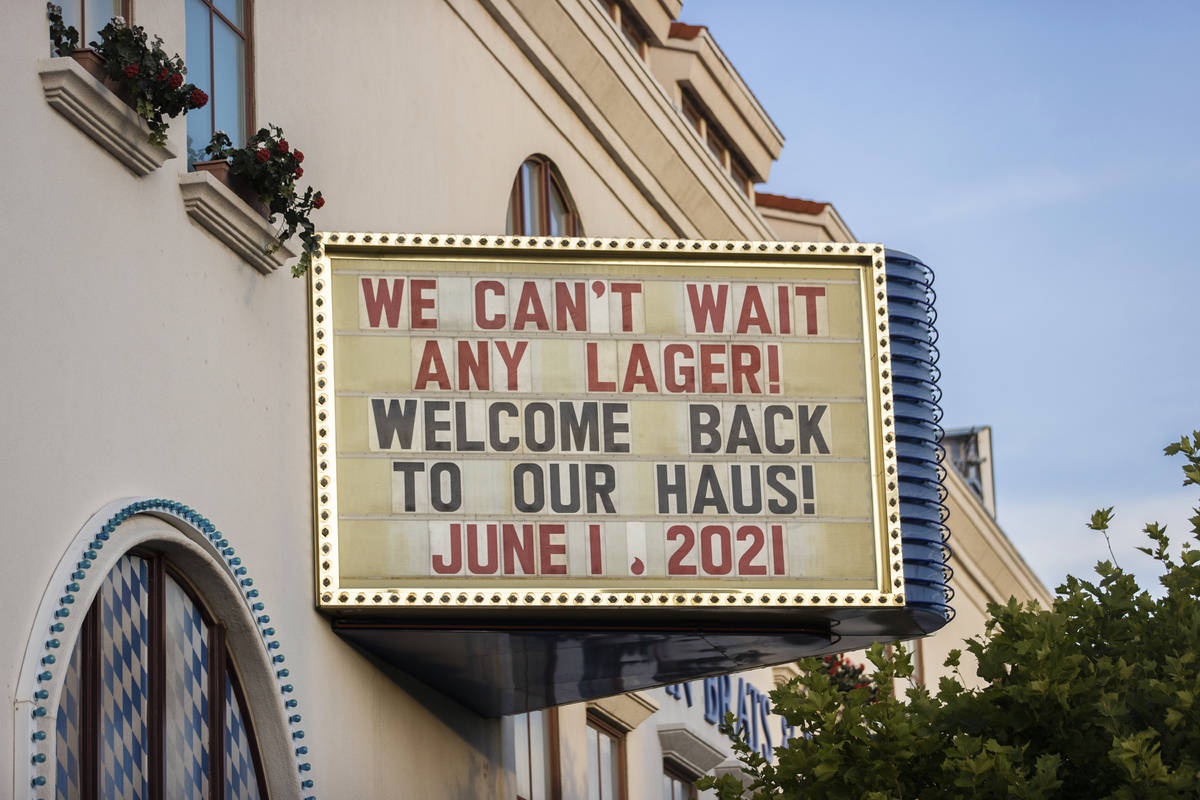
point(91, 61)
point(219, 169)
point(268, 167)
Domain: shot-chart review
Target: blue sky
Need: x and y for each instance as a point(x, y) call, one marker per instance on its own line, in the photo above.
point(1043, 159)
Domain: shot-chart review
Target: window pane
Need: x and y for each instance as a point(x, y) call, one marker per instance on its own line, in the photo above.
point(509, 223)
point(692, 113)
point(199, 65)
point(521, 755)
point(740, 176)
point(716, 145)
point(232, 9)
point(70, 15)
point(607, 765)
point(631, 32)
point(241, 781)
point(185, 751)
point(66, 727)
point(539, 769)
point(229, 82)
point(558, 213)
point(97, 14)
point(123, 680)
point(531, 191)
point(593, 764)
point(532, 755)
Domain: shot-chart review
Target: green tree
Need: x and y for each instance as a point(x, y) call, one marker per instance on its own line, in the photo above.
point(1096, 697)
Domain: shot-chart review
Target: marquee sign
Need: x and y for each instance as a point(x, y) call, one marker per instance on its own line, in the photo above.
point(544, 424)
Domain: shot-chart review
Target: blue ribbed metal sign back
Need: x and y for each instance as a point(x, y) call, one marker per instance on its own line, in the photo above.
point(915, 374)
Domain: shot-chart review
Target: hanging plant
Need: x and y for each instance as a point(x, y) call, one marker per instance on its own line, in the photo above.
point(64, 39)
point(267, 167)
point(137, 69)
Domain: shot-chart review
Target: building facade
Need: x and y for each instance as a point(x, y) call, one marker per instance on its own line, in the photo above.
point(162, 638)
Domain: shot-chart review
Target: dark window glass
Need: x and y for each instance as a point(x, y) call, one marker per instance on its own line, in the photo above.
point(633, 33)
point(693, 114)
point(740, 175)
point(716, 144)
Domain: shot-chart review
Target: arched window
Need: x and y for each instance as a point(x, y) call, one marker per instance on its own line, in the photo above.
point(539, 204)
point(151, 705)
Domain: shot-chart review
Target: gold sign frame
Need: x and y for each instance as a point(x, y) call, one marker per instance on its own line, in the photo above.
point(466, 596)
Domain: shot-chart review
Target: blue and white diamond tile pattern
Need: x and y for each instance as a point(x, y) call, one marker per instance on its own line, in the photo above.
point(186, 712)
point(66, 726)
point(241, 782)
point(123, 680)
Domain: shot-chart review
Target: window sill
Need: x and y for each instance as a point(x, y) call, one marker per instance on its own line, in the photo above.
point(213, 206)
point(96, 111)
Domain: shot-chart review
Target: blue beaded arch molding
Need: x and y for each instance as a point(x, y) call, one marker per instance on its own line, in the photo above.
point(923, 513)
point(55, 631)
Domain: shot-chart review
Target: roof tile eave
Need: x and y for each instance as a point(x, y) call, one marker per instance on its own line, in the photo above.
point(785, 203)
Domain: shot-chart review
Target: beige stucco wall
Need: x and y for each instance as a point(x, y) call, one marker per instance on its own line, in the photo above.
point(792, 226)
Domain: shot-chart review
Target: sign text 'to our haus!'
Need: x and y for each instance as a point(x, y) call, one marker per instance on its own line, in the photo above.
point(583, 425)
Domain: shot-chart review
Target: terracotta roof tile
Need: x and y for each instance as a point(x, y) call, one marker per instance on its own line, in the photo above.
point(788, 203)
point(681, 30)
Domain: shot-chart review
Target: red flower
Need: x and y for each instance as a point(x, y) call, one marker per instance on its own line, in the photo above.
point(176, 81)
point(299, 171)
point(162, 75)
point(282, 146)
point(299, 156)
point(320, 201)
point(197, 98)
point(262, 155)
point(131, 71)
